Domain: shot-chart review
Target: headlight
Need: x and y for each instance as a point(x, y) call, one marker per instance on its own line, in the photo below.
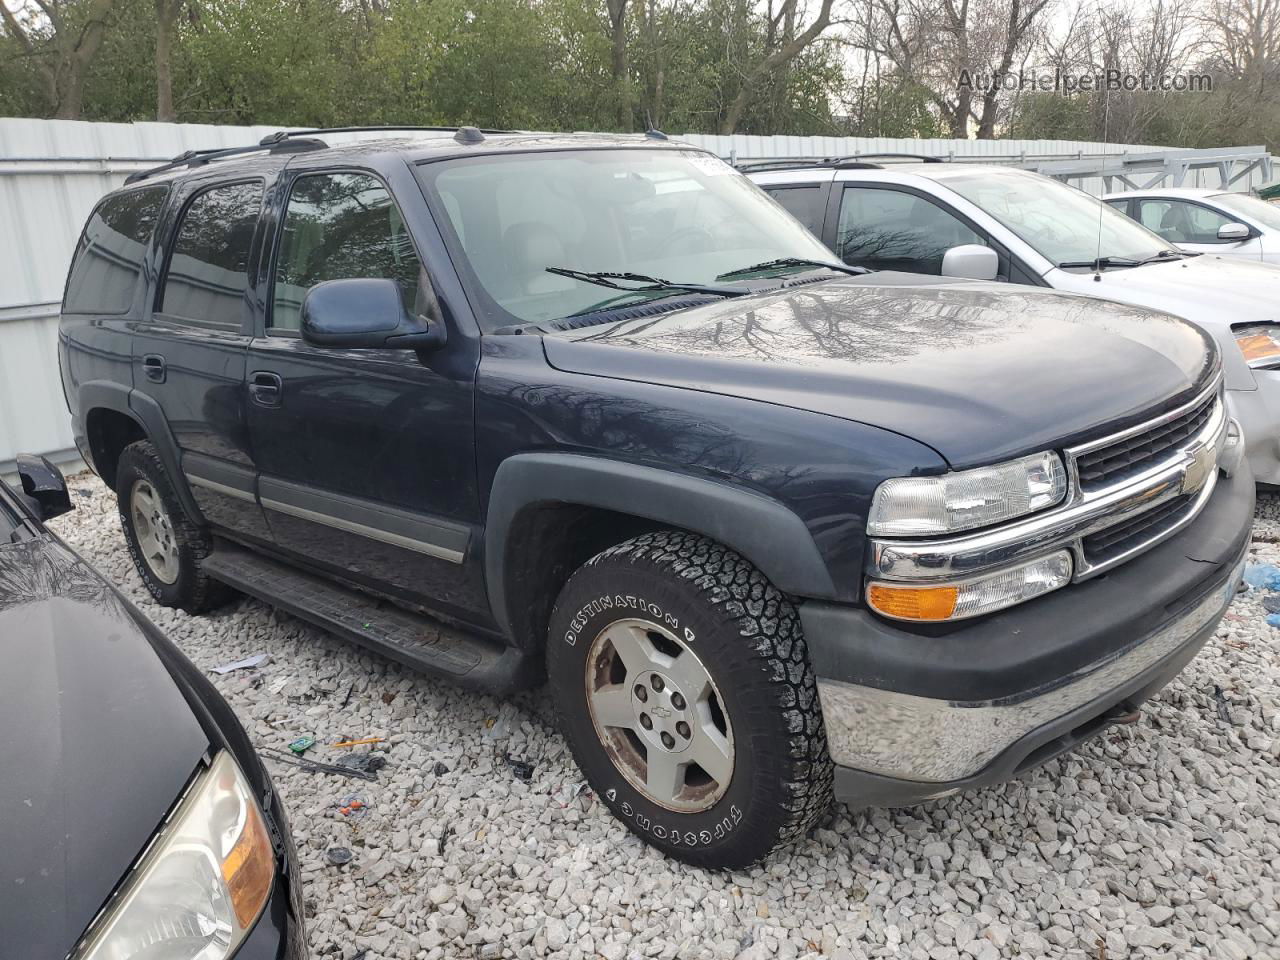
point(973, 597)
point(921, 506)
point(201, 885)
point(1260, 345)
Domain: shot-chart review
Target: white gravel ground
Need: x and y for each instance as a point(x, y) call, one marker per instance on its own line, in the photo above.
point(1160, 840)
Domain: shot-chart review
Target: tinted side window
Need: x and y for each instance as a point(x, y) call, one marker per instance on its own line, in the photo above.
point(108, 260)
point(890, 230)
point(1180, 222)
point(337, 226)
point(807, 204)
point(209, 267)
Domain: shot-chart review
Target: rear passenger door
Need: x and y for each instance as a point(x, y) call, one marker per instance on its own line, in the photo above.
point(367, 456)
point(189, 350)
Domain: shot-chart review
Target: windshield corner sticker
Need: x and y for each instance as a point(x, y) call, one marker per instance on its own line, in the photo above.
point(711, 166)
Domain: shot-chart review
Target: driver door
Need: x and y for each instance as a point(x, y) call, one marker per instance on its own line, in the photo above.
point(1194, 227)
point(366, 456)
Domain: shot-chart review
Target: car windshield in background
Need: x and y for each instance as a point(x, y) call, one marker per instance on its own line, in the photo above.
point(679, 215)
point(1063, 224)
point(1267, 214)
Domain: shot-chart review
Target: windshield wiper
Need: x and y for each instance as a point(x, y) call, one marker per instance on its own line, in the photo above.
point(1100, 262)
point(794, 262)
point(1166, 254)
point(605, 278)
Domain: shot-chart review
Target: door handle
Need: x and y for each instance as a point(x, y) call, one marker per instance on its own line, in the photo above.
point(153, 367)
point(266, 388)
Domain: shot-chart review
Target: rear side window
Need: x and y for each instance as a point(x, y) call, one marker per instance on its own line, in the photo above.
point(806, 204)
point(208, 271)
point(339, 226)
point(108, 260)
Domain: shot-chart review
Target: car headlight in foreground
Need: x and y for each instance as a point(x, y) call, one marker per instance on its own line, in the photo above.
point(926, 506)
point(202, 883)
point(1260, 345)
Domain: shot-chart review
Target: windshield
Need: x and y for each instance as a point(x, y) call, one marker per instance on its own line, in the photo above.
point(1267, 214)
point(678, 215)
point(1060, 222)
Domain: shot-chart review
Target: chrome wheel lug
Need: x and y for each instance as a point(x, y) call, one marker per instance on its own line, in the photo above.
point(668, 741)
point(646, 721)
point(682, 728)
point(656, 682)
point(677, 701)
point(641, 693)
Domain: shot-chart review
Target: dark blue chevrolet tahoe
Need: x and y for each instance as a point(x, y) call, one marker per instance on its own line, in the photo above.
point(596, 411)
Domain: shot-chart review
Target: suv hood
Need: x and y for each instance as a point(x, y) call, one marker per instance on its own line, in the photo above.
point(96, 744)
point(979, 371)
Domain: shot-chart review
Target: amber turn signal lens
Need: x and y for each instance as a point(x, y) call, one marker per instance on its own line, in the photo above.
point(249, 870)
point(913, 603)
point(1258, 348)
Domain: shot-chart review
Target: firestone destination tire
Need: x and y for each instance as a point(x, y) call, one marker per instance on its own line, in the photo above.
point(684, 689)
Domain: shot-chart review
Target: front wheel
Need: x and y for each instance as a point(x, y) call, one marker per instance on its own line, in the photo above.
point(685, 692)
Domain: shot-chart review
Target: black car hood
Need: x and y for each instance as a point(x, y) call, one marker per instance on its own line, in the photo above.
point(96, 744)
point(978, 371)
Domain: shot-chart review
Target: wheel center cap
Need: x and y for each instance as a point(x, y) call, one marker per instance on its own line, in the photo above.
point(663, 715)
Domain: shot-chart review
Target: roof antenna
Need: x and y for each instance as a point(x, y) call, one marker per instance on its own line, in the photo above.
point(469, 135)
point(1106, 122)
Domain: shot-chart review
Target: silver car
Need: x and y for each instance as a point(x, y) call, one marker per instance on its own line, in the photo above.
point(1207, 221)
point(998, 223)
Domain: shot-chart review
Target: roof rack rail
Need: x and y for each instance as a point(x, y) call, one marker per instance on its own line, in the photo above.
point(923, 157)
point(198, 158)
point(282, 135)
point(856, 161)
point(282, 141)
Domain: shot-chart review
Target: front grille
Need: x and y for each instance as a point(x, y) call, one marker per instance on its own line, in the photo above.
point(1114, 541)
point(1129, 457)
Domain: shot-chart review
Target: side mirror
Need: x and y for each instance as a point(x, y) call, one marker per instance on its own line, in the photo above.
point(971, 261)
point(1234, 231)
point(43, 484)
point(365, 313)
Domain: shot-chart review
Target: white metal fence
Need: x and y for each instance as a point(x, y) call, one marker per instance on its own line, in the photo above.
point(53, 171)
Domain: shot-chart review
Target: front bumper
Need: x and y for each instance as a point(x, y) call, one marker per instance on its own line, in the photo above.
point(918, 712)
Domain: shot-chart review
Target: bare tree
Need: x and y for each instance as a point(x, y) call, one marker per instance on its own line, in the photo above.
point(941, 44)
point(782, 44)
point(1243, 38)
point(62, 37)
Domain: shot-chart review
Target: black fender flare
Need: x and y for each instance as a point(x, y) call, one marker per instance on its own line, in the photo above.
point(762, 529)
point(148, 415)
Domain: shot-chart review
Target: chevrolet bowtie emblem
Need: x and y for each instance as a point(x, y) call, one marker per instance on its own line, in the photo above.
point(1202, 463)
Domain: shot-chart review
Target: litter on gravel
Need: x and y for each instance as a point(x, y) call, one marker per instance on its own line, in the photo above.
point(1159, 840)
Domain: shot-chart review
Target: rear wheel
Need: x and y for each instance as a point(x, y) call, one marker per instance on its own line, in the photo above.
point(685, 692)
point(165, 544)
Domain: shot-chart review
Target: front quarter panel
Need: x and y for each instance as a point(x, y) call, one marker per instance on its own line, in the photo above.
point(821, 469)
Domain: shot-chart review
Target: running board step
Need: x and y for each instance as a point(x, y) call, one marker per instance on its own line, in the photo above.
point(415, 640)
